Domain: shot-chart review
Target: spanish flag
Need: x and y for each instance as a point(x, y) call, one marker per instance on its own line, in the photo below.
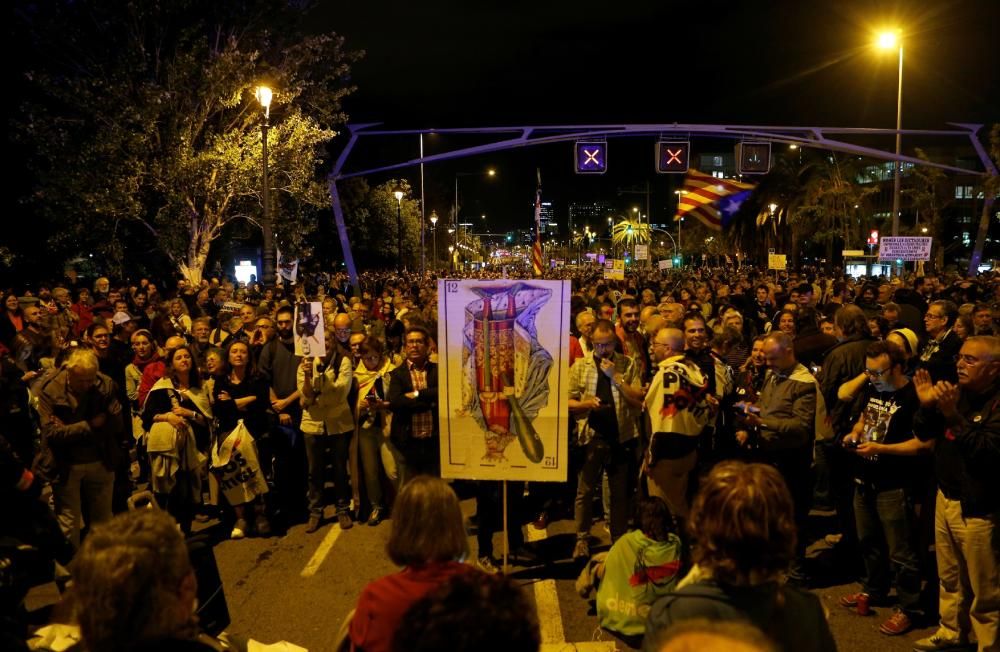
point(711, 200)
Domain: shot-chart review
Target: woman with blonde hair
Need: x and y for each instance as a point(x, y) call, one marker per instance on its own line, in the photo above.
point(428, 540)
point(743, 539)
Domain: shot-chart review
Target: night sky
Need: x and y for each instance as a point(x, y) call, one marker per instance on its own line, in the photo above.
point(451, 64)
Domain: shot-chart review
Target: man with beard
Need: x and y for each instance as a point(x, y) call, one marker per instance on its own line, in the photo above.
point(627, 330)
point(32, 343)
point(605, 398)
point(139, 314)
point(201, 328)
point(280, 365)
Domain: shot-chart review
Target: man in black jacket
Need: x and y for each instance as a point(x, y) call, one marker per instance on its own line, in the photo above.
point(938, 354)
point(964, 422)
point(413, 401)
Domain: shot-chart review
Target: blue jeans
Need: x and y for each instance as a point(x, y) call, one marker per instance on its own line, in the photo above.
point(885, 525)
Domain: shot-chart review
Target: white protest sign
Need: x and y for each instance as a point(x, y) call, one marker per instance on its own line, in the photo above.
point(642, 252)
point(905, 248)
point(666, 263)
point(310, 340)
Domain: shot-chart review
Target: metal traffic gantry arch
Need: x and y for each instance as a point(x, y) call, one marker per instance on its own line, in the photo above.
point(528, 136)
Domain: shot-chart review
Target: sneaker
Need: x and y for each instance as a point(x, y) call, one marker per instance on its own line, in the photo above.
point(541, 521)
point(851, 601)
point(486, 565)
point(581, 552)
point(239, 529)
point(344, 519)
point(314, 522)
point(263, 526)
point(376, 517)
point(940, 641)
point(898, 623)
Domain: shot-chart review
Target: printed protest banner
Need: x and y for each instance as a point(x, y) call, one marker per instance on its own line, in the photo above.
point(502, 379)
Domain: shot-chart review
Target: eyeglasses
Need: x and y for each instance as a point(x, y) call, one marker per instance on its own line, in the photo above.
point(968, 360)
point(931, 315)
point(878, 373)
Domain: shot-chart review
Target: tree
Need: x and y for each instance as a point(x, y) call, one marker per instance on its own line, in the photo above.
point(370, 216)
point(929, 196)
point(144, 114)
point(627, 233)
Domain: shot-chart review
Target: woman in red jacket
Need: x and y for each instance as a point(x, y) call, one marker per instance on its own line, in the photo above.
point(428, 539)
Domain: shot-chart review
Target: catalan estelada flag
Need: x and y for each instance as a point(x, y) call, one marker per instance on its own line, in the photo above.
point(711, 200)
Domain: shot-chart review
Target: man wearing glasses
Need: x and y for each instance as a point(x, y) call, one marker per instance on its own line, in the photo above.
point(882, 439)
point(938, 354)
point(605, 398)
point(963, 422)
point(413, 401)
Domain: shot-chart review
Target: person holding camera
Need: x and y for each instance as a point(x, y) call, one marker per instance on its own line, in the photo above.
point(327, 422)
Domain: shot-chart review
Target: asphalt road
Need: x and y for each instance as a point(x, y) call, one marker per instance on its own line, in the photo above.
point(300, 587)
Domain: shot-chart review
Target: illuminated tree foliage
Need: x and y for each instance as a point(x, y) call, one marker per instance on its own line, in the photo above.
point(143, 114)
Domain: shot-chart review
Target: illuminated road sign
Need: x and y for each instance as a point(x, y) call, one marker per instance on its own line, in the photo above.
point(591, 157)
point(754, 158)
point(672, 157)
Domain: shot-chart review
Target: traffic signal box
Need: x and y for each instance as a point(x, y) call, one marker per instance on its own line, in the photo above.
point(753, 158)
point(673, 157)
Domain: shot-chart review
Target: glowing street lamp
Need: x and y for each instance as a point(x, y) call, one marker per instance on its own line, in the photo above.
point(891, 40)
point(264, 95)
point(434, 221)
point(398, 194)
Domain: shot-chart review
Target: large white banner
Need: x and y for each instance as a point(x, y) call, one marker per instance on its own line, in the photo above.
point(502, 387)
point(905, 248)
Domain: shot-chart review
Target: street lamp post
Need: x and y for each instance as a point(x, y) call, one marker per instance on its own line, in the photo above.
point(451, 258)
point(263, 95)
point(399, 229)
point(887, 41)
point(490, 173)
point(434, 221)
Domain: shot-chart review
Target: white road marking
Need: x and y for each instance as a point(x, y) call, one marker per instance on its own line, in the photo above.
point(586, 646)
point(549, 615)
point(324, 549)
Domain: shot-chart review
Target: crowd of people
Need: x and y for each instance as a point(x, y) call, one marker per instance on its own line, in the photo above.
point(711, 411)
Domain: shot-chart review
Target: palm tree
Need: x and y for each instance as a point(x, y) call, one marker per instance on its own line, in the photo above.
point(628, 233)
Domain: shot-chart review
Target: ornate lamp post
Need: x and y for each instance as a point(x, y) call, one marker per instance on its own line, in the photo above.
point(263, 95)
